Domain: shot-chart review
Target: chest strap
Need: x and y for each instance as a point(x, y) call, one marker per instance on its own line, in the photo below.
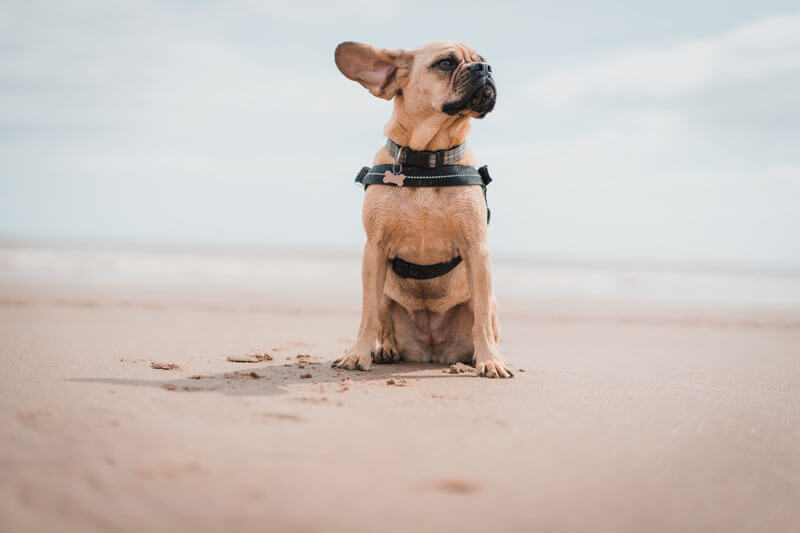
point(446, 176)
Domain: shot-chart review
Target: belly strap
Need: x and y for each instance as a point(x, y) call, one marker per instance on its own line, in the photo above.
point(404, 269)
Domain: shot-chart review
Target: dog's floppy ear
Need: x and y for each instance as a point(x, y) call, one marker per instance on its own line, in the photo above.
point(381, 71)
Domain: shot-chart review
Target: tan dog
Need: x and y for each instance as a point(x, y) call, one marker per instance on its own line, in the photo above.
point(450, 318)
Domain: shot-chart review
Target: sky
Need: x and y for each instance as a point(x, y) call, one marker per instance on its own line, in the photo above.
point(624, 131)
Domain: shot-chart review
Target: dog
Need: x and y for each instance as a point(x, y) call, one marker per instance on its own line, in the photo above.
point(445, 318)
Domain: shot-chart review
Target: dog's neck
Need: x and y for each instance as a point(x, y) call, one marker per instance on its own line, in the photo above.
point(435, 132)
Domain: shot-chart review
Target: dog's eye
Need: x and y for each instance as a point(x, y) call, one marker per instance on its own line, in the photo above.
point(446, 64)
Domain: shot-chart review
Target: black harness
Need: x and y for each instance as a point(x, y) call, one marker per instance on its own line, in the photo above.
point(429, 173)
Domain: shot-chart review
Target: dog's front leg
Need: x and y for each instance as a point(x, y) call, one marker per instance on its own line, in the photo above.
point(487, 358)
point(373, 277)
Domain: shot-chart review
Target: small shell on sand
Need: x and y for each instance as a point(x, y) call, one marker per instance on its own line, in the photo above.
point(250, 358)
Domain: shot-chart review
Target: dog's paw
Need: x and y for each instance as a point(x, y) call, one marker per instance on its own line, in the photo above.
point(385, 354)
point(353, 361)
point(493, 368)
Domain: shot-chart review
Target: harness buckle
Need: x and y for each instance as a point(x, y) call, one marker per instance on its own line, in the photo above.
point(361, 175)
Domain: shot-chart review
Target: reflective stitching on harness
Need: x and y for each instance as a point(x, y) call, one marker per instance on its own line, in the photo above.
point(430, 177)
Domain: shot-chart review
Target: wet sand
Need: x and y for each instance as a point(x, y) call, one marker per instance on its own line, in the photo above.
point(622, 417)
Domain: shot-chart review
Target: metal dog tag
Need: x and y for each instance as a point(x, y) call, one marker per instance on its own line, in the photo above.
point(391, 177)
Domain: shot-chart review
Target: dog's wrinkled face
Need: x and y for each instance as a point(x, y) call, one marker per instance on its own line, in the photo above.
point(467, 80)
point(447, 77)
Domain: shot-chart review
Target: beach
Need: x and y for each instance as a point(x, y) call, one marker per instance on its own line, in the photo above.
point(643, 400)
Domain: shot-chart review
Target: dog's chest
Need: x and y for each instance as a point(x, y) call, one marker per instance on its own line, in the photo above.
point(423, 220)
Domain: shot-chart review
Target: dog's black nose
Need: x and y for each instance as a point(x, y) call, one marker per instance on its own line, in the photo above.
point(481, 69)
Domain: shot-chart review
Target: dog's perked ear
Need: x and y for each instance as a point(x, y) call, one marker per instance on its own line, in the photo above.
point(381, 71)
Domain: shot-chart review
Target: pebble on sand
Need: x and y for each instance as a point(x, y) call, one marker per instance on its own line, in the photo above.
point(460, 368)
point(164, 366)
point(250, 358)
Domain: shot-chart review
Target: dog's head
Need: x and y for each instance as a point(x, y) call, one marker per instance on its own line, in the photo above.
point(448, 78)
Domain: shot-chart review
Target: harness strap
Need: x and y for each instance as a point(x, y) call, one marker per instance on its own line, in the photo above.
point(446, 176)
point(404, 269)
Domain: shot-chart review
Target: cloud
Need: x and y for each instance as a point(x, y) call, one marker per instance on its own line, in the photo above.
point(768, 47)
point(157, 69)
point(785, 174)
point(214, 123)
point(596, 157)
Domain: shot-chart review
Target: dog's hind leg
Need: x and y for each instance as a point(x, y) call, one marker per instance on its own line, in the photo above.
point(386, 351)
point(453, 336)
point(409, 335)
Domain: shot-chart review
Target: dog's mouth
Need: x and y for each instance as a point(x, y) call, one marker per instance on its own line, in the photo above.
point(480, 99)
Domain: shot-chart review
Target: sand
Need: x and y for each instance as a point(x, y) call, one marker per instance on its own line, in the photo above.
point(639, 416)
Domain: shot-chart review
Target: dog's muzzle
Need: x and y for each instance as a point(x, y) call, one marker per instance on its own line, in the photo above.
point(483, 99)
point(480, 94)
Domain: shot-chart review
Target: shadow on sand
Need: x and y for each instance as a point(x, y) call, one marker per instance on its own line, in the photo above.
point(271, 379)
